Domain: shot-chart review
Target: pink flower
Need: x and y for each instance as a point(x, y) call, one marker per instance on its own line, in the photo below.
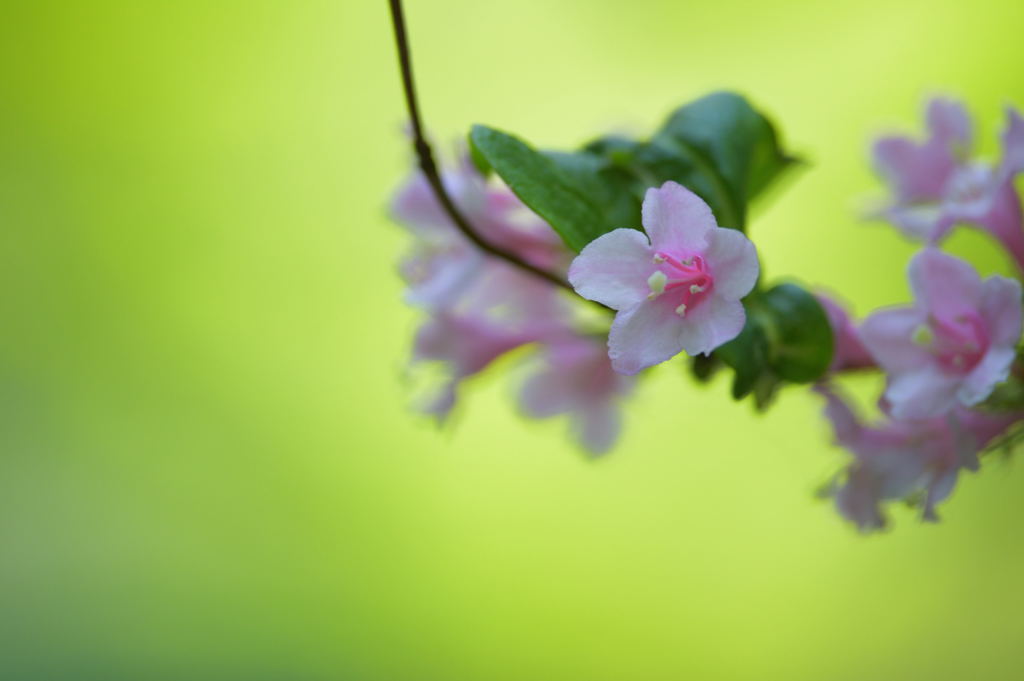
point(954, 345)
point(679, 289)
point(443, 263)
point(899, 459)
point(501, 311)
point(935, 185)
point(480, 307)
point(463, 345)
point(577, 379)
point(849, 352)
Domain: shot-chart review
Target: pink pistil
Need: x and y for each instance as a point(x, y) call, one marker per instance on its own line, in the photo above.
point(958, 344)
point(690, 275)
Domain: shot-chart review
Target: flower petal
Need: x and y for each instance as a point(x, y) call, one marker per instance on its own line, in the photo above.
point(916, 172)
point(918, 220)
point(937, 490)
point(676, 219)
point(415, 206)
point(733, 261)
point(644, 335)
point(888, 336)
point(597, 427)
point(848, 349)
point(545, 394)
point(949, 123)
point(1001, 309)
point(846, 426)
point(438, 281)
point(613, 269)
point(715, 321)
point(1013, 143)
point(992, 370)
point(1005, 221)
point(922, 394)
point(942, 283)
point(858, 500)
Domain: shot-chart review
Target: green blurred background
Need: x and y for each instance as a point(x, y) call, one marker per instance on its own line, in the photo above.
point(208, 467)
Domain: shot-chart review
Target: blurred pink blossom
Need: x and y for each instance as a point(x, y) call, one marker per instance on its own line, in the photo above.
point(443, 263)
point(936, 184)
point(576, 378)
point(954, 345)
point(895, 460)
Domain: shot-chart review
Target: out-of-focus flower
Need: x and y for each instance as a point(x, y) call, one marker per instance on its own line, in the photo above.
point(480, 307)
point(954, 345)
point(576, 378)
point(443, 263)
point(465, 342)
point(903, 459)
point(935, 184)
point(849, 352)
point(677, 288)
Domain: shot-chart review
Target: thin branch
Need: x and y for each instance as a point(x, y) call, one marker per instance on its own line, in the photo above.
point(429, 167)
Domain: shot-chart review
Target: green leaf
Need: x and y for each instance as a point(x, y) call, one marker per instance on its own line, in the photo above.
point(558, 195)
point(787, 338)
point(747, 354)
point(704, 367)
point(609, 187)
point(800, 336)
point(664, 159)
point(733, 147)
point(479, 162)
point(618, 150)
point(766, 389)
point(718, 146)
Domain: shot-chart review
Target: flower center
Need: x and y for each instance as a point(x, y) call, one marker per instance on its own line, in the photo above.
point(970, 186)
point(957, 344)
point(688, 281)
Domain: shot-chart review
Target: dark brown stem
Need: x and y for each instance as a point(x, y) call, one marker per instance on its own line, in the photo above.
point(429, 167)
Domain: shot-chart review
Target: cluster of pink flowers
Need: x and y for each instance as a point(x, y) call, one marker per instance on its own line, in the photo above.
point(479, 308)
point(944, 354)
point(676, 288)
point(678, 285)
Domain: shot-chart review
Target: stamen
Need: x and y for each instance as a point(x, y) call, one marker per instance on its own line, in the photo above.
point(657, 282)
point(659, 258)
point(681, 310)
point(923, 335)
point(696, 289)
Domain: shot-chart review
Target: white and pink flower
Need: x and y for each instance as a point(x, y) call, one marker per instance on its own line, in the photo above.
point(954, 345)
point(676, 288)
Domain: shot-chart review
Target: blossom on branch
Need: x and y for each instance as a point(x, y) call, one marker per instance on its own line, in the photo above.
point(954, 345)
point(676, 288)
point(480, 307)
point(444, 263)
